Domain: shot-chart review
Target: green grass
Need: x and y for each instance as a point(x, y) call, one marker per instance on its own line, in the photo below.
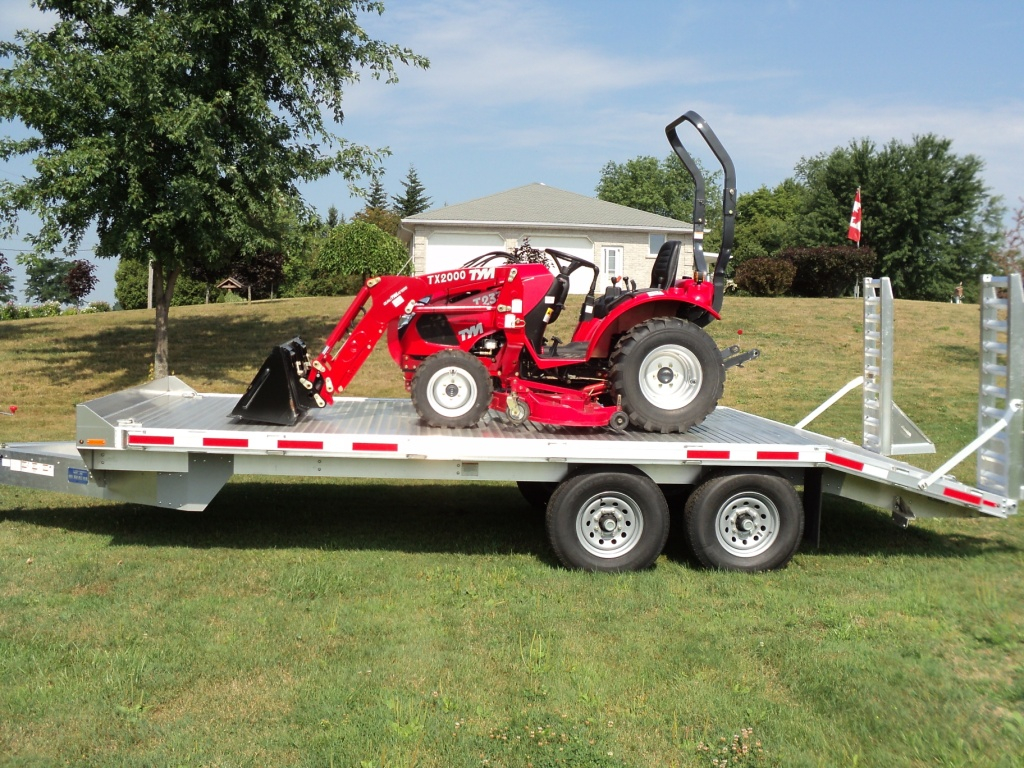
point(398, 624)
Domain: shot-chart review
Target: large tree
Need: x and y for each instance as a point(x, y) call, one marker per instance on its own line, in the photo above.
point(181, 128)
point(662, 187)
point(926, 211)
point(766, 220)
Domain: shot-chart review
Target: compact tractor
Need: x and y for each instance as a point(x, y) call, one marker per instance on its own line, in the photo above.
point(475, 338)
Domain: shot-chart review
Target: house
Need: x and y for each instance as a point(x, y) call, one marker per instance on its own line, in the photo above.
point(621, 241)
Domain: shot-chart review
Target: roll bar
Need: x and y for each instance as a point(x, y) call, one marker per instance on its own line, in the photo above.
point(699, 203)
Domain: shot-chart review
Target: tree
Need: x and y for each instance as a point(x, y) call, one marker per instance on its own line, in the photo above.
point(6, 281)
point(767, 220)
point(360, 249)
point(333, 217)
point(46, 279)
point(664, 188)
point(377, 198)
point(926, 211)
point(1010, 258)
point(80, 280)
point(386, 221)
point(180, 128)
point(412, 200)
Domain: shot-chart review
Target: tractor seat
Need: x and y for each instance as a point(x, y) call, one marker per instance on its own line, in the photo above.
point(538, 319)
point(663, 275)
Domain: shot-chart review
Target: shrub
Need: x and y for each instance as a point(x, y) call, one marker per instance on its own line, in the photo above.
point(765, 277)
point(829, 270)
point(358, 249)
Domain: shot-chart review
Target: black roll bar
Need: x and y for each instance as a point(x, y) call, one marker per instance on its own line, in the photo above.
point(699, 203)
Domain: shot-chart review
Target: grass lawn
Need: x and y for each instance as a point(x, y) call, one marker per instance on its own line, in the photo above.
point(354, 623)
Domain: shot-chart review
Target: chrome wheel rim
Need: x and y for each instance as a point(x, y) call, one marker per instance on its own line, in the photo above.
point(451, 391)
point(609, 524)
point(670, 377)
point(747, 524)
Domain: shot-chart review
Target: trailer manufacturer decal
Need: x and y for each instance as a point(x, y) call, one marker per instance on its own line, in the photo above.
point(78, 476)
point(29, 467)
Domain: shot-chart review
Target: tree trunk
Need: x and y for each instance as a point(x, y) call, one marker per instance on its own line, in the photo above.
point(164, 290)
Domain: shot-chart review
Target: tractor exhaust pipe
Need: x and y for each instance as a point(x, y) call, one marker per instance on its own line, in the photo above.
point(276, 394)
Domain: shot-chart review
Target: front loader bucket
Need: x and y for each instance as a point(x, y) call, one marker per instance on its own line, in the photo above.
point(275, 395)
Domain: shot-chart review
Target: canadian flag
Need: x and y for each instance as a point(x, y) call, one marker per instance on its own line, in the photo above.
point(854, 232)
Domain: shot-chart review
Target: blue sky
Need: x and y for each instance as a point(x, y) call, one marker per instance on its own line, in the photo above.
point(523, 91)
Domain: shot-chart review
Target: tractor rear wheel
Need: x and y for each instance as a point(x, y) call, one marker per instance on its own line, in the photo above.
point(451, 389)
point(669, 374)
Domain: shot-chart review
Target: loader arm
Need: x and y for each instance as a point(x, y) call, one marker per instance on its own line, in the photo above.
point(389, 298)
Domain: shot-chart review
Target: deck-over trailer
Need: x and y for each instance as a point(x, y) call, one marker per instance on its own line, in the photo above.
point(166, 445)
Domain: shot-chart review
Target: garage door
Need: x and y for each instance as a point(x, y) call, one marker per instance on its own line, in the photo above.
point(579, 247)
point(448, 250)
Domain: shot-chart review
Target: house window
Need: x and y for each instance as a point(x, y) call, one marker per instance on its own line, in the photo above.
point(656, 241)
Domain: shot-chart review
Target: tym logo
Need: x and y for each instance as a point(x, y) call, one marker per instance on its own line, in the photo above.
point(482, 273)
point(468, 333)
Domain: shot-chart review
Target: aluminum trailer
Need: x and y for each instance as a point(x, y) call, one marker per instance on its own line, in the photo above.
point(166, 445)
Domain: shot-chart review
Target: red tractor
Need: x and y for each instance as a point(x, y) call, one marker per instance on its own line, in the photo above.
point(475, 338)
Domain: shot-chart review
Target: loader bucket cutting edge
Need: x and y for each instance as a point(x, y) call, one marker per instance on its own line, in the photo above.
point(275, 395)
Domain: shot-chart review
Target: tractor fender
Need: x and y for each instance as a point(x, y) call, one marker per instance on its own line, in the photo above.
point(642, 308)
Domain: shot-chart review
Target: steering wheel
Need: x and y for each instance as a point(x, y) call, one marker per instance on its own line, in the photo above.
point(573, 262)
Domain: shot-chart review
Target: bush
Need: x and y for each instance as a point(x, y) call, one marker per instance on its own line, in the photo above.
point(765, 277)
point(829, 270)
point(357, 250)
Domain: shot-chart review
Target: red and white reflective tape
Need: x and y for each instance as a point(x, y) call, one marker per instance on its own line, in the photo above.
point(857, 466)
point(190, 441)
point(750, 455)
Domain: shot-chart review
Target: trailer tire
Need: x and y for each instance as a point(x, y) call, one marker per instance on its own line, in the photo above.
point(608, 521)
point(451, 389)
point(744, 521)
point(669, 374)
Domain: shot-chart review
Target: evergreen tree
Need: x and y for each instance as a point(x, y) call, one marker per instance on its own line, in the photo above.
point(377, 199)
point(412, 200)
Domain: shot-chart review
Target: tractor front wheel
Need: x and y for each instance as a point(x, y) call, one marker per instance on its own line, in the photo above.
point(669, 374)
point(451, 389)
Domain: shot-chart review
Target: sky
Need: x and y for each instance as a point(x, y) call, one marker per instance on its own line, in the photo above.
point(522, 91)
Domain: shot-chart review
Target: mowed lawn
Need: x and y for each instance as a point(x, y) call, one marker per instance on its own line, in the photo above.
point(358, 623)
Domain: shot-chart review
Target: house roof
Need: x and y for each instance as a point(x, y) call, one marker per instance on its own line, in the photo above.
point(539, 205)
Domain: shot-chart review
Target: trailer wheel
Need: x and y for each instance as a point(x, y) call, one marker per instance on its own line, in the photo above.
point(669, 374)
point(451, 389)
point(742, 521)
point(608, 521)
